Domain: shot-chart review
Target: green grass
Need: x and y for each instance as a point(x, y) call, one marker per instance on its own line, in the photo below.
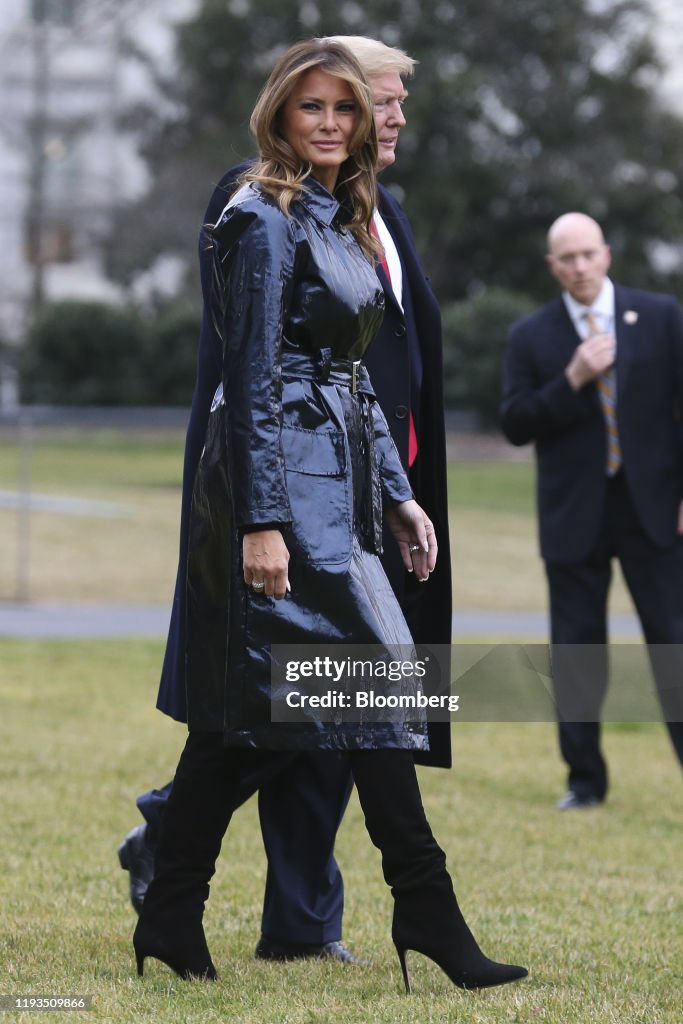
point(101, 460)
point(128, 557)
point(591, 902)
point(509, 488)
point(133, 557)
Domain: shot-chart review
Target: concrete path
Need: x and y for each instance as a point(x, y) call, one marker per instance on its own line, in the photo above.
point(41, 621)
point(524, 623)
point(65, 506)
point(82, 621)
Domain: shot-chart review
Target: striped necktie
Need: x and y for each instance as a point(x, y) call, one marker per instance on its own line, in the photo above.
point(606, 384)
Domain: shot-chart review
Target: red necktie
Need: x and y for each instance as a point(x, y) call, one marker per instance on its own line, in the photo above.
point(412, 435)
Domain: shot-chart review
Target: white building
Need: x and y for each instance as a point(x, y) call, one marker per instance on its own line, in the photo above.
point(65, 164)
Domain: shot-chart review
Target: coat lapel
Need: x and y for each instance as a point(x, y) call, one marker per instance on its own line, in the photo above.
point(566, 336)
point(627, 331)
point(384, 281)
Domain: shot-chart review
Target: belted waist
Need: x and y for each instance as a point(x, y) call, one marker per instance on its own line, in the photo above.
point(325, 368)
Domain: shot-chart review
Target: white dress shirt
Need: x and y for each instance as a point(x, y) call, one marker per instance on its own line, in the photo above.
point(391, 256)
point(602, 310)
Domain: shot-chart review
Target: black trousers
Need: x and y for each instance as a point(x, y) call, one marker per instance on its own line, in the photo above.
point(205, 792)
point(301, 802)
point(578, 618)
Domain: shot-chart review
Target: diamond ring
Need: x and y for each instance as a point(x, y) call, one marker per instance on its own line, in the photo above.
point(414, 547)
point(257, 586)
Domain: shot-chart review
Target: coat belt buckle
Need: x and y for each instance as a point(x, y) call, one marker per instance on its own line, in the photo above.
point(355, 370)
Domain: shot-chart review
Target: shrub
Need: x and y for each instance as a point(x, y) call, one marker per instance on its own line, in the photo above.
point(91, 353)
point(83, 353)
point(170, 355)
point(474, 340)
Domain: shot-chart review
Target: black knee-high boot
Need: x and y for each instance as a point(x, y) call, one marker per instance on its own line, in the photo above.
point(198, 812)
point(427, 917)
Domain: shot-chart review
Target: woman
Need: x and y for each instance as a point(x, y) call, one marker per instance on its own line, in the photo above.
point(286, 517)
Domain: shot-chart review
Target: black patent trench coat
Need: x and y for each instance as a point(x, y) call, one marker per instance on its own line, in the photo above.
point(291, 447)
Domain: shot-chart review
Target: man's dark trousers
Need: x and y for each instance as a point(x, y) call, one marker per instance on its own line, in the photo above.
point(578, 611)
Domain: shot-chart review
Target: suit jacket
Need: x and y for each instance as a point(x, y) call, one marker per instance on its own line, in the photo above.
point(405, 366)
point(568, 427)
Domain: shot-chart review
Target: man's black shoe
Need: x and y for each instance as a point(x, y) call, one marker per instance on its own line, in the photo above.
point(268, 950)
point(136, 857)
point(572, 801)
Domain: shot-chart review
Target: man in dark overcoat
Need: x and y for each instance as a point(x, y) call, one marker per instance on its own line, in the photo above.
point(301, 807)
point(595, 380)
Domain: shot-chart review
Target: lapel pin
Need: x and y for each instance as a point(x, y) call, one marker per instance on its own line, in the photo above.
point(631, 317)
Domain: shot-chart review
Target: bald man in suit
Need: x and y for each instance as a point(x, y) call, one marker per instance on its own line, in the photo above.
point(595, 380)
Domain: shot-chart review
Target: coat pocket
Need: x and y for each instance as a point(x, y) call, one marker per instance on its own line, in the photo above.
point(319, 494)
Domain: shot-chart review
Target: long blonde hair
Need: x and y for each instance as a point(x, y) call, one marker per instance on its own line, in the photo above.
point(280, 171)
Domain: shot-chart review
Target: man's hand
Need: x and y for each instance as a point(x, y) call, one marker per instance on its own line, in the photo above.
point(265, 559)
point(680, 518)
point(414, 532)
point(591, 358)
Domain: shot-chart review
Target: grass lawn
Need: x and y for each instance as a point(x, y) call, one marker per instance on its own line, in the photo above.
point(128, 555)
point(132, 556)
point(591, 902)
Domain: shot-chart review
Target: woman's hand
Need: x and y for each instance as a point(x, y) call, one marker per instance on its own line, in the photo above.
point(414, 531)
point(265, 559)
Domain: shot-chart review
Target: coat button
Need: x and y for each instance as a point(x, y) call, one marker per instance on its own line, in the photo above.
point(400, 412)
point(400, 330)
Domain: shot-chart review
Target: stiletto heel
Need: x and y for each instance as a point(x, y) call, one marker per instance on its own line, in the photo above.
point(183, 950)
point(404, 967)
point(170, 926)
point(431, 923)
point(484, 974)
point(427, 918)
